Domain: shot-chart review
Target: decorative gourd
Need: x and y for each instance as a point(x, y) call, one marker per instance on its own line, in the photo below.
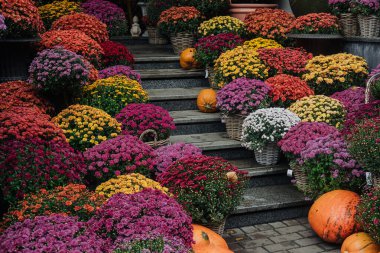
point(332, 216)
point(207, 241)
point(206, 100)
point(360, 243)
point(187, 60)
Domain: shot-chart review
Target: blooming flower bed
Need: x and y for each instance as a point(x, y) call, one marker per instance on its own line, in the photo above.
point(69, 200)
point(116, 54)
point(360, 112)
point(87, 24)
point(312, 23)
point(121, 155)
point(179, 19)
point(368, 214)
point(259, 43)
point(86, 126)
point(351, 97)
point(166, 155)
point(222, 24)
point(243, 96)
point(269, 23)
point(55, 163)
point(113, 94)
point(286, 89)
point(136, 118)
point(320, 108)
point(53, 11)
point(120, 70)
point(128, 184)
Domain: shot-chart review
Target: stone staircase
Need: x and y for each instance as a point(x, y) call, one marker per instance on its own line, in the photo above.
point(270, 196)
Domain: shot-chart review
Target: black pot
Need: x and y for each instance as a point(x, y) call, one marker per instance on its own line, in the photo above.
point(16, 56)
point(318, 44)
point(302, 7)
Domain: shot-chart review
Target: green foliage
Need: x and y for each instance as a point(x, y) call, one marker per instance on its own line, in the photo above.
point(208, 8)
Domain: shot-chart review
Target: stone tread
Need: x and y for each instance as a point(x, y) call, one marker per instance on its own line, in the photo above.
point(254, 169)
point(270, 197)
point(194, 116)
point(170, 73)
point(208, 141)
point(162, 58)
point(173, 93)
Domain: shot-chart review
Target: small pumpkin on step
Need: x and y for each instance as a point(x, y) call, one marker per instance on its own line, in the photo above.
point(206, 100)
point(360, 243)
point(207, 241)
point(187, 60)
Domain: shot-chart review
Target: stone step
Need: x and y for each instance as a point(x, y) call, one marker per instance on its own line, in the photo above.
point(172, 78)
point(175, 99)
point(196, 122)
point(263, 175)
point(269, 204)
point(154, 57)
point(215, 144)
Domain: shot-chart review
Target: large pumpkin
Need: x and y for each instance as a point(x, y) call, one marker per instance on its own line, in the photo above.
point(332, 216)
point(360, 243)
point(187, 59)
point(207, 241)
point(206, 100)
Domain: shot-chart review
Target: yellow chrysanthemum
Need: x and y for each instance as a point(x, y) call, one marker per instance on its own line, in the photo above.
point(51, 12)
point(258, 43)
point(128, 184)
point(222, 24)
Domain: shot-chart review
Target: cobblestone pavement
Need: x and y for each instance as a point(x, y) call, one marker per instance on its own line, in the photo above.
point(288, 236)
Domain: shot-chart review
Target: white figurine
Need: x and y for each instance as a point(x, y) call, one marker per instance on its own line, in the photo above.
point(135, 30)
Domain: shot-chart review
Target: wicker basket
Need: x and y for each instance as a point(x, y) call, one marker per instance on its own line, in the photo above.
point(349, 24)
point(369, 26)
point(181, 41)
point(376, 181)
point(234, 126)
point(370, 82)
point(155, 37)
point(300, 176)
point(155, 143)
point(270, 154)
point(211, 78)
point(219, 229)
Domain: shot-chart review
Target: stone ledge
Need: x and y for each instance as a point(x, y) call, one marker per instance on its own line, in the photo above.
point(174, 93)
point(170, 73)
point(194, 116)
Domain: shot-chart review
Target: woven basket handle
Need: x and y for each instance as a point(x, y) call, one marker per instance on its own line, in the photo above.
point(150, 131)
point(370, 82)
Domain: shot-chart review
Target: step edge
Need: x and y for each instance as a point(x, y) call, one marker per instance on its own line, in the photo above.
point(274, 206)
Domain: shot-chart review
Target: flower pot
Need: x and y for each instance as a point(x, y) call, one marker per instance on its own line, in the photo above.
point(369, 26)
point(269, 155)
point(181, 41)
point(349, 24)
point(16, 56)
point(155, 143)
point(155, 37)
point(241, 10)
point(211, 77)
point(302, 7)
point(300, 176)
point(219, 228)
point(234, 126)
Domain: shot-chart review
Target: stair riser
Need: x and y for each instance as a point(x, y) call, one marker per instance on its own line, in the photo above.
point(156, 65)
point(268, 180)
point(199, 128)
point(177, 105)
point(230, 154)
point(255, 218)
point(174, 83)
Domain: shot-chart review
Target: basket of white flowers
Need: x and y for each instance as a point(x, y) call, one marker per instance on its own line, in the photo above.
point(263, 128)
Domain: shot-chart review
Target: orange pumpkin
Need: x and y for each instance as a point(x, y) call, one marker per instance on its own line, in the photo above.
point(207, 241)
point(360, 243)
point(332, 216)
point(187, 60)
point(206, 100)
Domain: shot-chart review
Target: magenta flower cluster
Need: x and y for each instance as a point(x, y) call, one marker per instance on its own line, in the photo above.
point(242, 96)
point(359, 113)
point(120, 155)
point(120, 70)
point(332, 145)
point(2, 23)
point(167, 155)
point(109, 13)
point(373, 4)
point(50, 234)
point(351, 97)
point(27, 166)
point(127, 217)
point(136, 118)
point(57, 69)
point(294, 141)
point(374, 71)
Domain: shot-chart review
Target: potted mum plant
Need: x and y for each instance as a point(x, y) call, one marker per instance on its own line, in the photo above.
point(368, 15)
point(180, 23)
point(209, 188)
point(262, 129)
point(347, 19)
point(154, 10)
point(209, 9)
point(20, 24)
point(239, 98)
